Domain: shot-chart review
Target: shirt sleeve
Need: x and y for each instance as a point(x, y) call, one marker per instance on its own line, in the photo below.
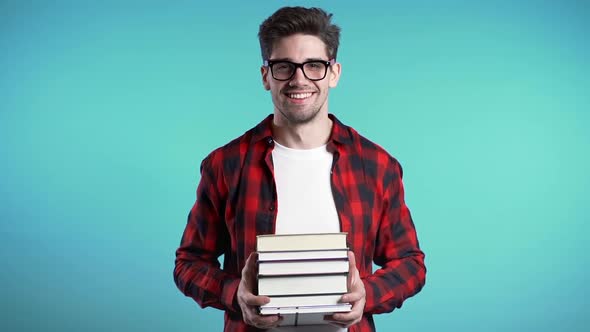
point(397, 252)
point(197, 271)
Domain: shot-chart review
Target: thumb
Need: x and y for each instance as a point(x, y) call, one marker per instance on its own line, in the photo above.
point(250, 266)
point(351, 268)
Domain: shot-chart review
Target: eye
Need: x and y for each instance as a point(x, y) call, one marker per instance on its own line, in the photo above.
point(282, 66)
point(315, 66)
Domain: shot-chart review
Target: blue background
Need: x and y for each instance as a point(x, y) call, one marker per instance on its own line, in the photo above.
point(107, 109)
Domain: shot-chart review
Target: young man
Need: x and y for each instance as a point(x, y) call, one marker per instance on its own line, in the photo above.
point(299, 171)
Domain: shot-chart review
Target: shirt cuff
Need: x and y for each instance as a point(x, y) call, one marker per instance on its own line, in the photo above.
point(228, 294)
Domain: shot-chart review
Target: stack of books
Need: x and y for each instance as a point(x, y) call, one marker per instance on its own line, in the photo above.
point(305, 275)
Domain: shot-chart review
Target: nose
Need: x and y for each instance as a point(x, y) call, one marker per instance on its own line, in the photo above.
point(298, 77)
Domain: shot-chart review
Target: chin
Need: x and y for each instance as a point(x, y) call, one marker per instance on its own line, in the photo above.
point(301, 118)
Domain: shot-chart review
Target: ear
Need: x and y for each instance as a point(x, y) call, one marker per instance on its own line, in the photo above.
point(335, 71)
point(264, 73)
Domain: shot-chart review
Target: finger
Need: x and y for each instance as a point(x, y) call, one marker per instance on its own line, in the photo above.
point(341, 323)
point(351, 269)
point(351, 297)
point(351, 261)
point(351, 316)
point(330, 319)
point(249, 273)
point(252, 314)
point(338, 323)
point(355, 312)
point(254, 300)
point(266, 322)
point(345, 317)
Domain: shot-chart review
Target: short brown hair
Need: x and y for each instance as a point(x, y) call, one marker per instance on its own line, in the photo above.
point(288, 21)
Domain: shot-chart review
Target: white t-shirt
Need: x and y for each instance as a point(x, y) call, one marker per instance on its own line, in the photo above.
point(305, 201)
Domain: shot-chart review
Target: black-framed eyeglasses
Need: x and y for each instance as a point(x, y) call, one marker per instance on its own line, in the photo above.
point(313, 70)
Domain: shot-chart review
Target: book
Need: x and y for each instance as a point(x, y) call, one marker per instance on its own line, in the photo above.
point(302, 267)
point(305, 275)
point(326, 309)
point(302, 301)
point(302, 255)
point(302, 319)
point(303, 284)
point(288, 242)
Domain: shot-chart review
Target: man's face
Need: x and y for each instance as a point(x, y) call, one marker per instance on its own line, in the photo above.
point(299, 100)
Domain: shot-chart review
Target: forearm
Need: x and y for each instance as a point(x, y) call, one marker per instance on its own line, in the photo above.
point(201, 278)
point(392, 284)
point(197, 271)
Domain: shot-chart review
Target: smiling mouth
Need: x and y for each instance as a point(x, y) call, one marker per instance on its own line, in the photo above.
point(301, 95)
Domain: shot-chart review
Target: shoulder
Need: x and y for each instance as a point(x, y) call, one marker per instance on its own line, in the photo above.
point(230, 154)
point(230, 157)
point(372, 154)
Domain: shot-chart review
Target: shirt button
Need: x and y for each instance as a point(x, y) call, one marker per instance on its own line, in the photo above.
point(269, 141)
point(271, 208)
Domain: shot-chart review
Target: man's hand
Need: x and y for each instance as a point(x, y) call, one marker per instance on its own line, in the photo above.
point(355, 296)
point(249, 302)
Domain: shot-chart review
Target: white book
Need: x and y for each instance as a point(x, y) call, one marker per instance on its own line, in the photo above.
point(303, 319)
point(303, 285)
point(302, 301)
point(286, 242)
point(302, 255)
point(328, 309)
point(302, 267)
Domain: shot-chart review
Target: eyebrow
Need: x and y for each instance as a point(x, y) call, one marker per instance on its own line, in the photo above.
point(306, 60)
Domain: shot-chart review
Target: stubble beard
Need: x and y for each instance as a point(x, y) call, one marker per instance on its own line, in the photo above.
point(298, 117)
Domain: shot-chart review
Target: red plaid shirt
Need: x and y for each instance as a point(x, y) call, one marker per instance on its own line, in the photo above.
point(237, 200)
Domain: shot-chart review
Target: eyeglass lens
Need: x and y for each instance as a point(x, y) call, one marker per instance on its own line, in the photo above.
point(313, 70)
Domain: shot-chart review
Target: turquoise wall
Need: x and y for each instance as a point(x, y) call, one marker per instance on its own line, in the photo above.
point(108, 107)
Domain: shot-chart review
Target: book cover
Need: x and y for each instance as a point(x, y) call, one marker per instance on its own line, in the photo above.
point(292, 255)
point(303, 319)
point(326, 309)
point(286, 242)
point(303, 284)
point(302, 267)
point(303, 301)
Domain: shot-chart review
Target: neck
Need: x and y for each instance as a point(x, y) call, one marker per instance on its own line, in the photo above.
point(308, 135)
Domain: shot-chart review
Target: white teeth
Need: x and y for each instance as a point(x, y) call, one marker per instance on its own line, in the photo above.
point(300, 95)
